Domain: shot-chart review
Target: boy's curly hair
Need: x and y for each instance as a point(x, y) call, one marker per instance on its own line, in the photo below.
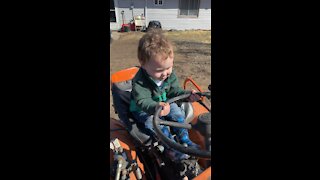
point(153, 43)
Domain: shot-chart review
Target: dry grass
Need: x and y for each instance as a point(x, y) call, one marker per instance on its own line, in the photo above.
point(192, 35)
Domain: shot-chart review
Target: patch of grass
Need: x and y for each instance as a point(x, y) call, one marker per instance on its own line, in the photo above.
point(190, 35)
point(199, 36)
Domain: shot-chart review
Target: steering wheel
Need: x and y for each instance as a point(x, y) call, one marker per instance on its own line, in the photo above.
point(187, 150)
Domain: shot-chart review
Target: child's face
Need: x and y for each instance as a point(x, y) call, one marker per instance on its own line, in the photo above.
point(158, 67)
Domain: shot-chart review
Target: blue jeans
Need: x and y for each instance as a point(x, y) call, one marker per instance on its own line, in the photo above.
point(176, 114)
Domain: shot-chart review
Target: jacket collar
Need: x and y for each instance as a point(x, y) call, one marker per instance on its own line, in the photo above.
point(144, 72)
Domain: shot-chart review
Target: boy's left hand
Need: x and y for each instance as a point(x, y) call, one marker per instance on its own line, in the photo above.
point(194, 97)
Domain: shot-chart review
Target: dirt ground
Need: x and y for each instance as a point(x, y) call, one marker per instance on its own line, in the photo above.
point(192, 55)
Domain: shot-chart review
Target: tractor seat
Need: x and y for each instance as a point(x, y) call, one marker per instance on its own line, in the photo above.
point(121, 86)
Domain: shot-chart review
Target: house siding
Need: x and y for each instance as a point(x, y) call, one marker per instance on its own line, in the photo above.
point(124, 5)
point(167, 14)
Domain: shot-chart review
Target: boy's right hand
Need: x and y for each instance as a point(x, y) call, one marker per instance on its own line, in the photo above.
point(165, 108)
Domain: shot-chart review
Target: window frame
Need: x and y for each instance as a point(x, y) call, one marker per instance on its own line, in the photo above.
point(156, 2)
point(113, 10)
point(189, 16)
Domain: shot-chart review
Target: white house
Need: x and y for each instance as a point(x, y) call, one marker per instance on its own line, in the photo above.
point(172, 14)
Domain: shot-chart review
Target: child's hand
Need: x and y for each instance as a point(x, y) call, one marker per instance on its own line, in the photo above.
point(194, 97)
point(165, 108)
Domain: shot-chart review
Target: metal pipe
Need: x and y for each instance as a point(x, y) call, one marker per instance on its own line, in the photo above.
point(119, 166)
point(145, 12)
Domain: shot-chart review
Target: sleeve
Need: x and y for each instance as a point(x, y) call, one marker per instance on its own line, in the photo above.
point(143, 99)
point(175, 89)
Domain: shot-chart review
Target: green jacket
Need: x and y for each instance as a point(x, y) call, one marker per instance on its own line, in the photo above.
point(146, 94)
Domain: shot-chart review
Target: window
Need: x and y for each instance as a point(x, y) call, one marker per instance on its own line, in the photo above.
point(112, 12)
point(158, 2)
point(189, 8)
